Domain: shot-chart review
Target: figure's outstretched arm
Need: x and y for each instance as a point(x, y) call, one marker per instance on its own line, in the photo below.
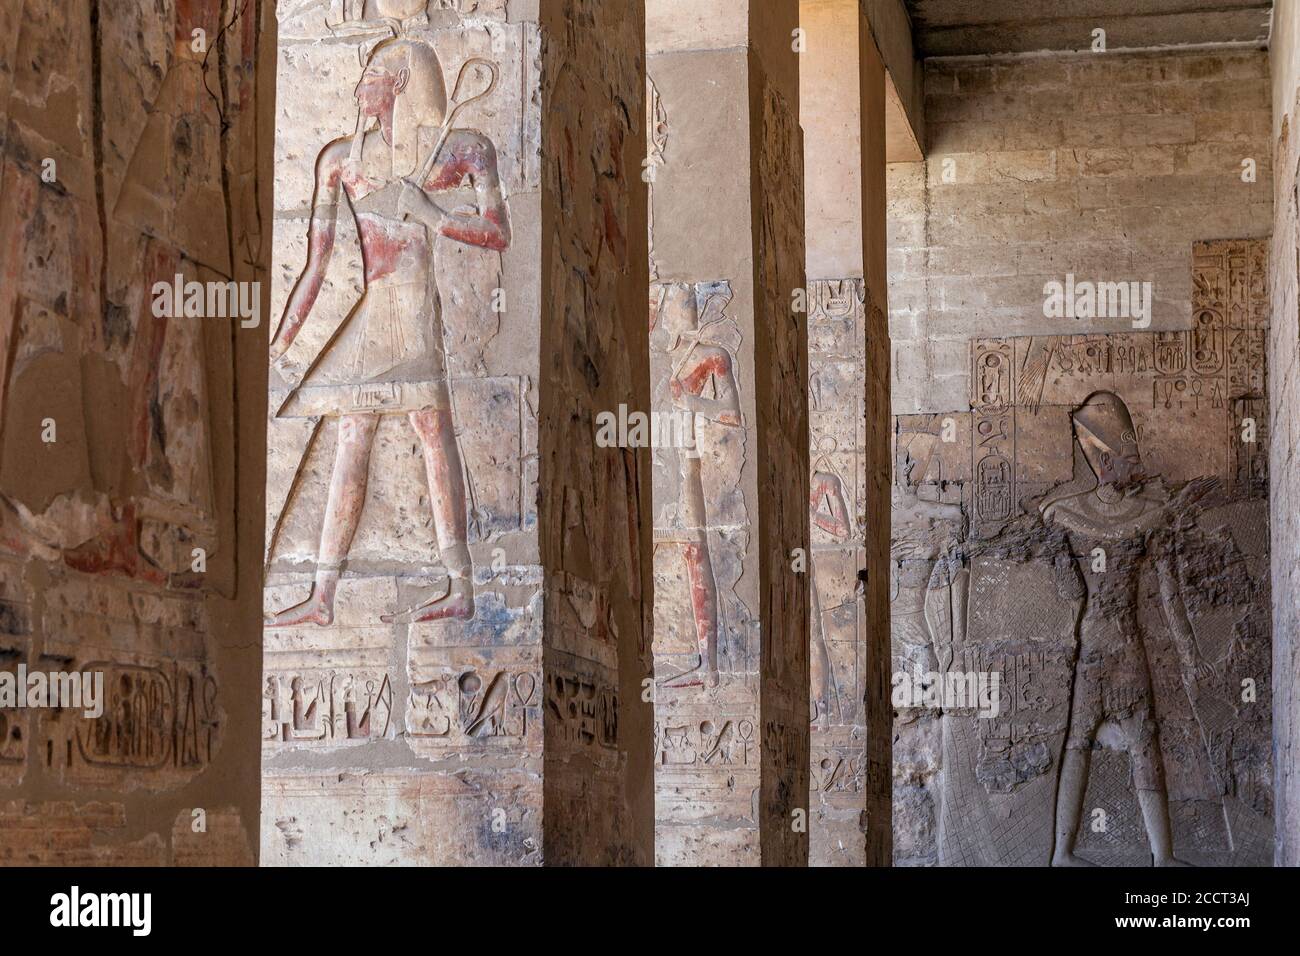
point(320, 243)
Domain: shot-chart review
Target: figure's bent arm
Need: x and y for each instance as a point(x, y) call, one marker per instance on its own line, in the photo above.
point(837, 523)
point(472, 155)
point(687, 388)
point(320, 243)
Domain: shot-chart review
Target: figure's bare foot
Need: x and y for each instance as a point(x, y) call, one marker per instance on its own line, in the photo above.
point(315, 610)
point(457, 604)
point(690, 678)
point(1069, 859)
point(696, 676)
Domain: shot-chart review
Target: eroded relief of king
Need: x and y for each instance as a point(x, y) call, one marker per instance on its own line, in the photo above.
point(1111, 567)
point(1113, 530)
point(406, 176)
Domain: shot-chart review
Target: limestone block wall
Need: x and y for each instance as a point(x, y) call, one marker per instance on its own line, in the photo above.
point(1101, 165)
point(1284, 400)
point(457, 601)
point(1083, 169)
point(131, 448)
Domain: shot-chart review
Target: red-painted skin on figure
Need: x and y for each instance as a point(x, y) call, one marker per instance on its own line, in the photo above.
point(447, 498)
point(828, 486)
point(713, 362)
point(699, 564)
point(388, 249)
point(704, 602)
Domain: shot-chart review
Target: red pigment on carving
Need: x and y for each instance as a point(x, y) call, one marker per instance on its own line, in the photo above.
point(319, 243)
point(381, 250)
point(701, 597)
point(831, 524)
point(475, 233)
point(718, 364)
point(464, 158)
point(713, 365)
point(336, 176)
point(118, 551)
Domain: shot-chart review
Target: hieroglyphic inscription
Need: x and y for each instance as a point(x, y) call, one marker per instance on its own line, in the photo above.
point(325, 707)
point(723, 742)
point(837, 505)
point(154, 717)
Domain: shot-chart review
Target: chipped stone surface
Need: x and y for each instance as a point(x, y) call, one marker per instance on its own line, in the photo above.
point(65, 833)
point(129, 158)
point(1121, 682)
point(1283, 348)
point(215, 837)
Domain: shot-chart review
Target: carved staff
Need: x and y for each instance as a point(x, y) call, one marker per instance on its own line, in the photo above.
point(458, 104)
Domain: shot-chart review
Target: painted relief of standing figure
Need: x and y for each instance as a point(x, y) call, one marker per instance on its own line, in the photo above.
point(1112, 530)
point(829, 511)
point(702, 384)
point(412, 178)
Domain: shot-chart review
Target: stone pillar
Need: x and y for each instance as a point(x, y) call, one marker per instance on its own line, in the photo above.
point(459, 601)
point(1283, 353)
point(594, 512)
point(729, 369)
point(830, 107)
point(877, 453)
point(842, 108)
point(131, 463)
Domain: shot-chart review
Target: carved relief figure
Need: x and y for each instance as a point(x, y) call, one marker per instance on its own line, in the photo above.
point(1111, 529)
point(929, 532)
point(1014, 584)
point(830, 512)
point(702, 384)
point(402, 182)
